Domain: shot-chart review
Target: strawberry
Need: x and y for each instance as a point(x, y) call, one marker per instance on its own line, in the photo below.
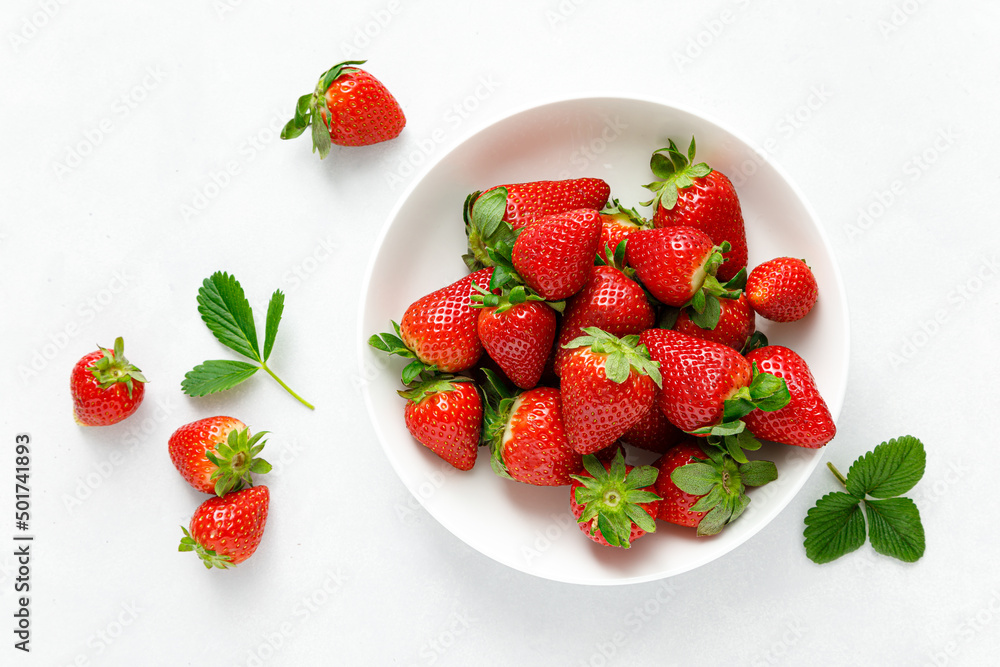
point(105, 387)
point(608, 384)
point(226, 530)
point(614, 503)
point(678, 266)
point(217, 454)
point(782, 289)
point(617, 222)
point(554, 253)
point(526, 437)
point(653, 432)
point(527, 201)
point(517, 331)
point(806, 420)
point(610, 301)
point(438, 330)
point(349, 107)
point(445, 413)
point(736, 323)
point(707, 388)
point(704, 488)
point(695, 195)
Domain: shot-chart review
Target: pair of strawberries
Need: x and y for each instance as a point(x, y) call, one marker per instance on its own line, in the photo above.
point(614, 330)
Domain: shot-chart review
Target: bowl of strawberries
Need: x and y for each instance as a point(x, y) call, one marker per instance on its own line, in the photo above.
point(604, 340)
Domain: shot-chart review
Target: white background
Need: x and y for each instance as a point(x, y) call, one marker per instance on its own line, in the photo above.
point(140, 154)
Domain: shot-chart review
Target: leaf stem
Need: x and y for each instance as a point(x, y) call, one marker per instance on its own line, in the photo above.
point(287, 388)
point(833, 469)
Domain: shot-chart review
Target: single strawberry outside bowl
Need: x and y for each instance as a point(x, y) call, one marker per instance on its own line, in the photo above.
point(530, 528)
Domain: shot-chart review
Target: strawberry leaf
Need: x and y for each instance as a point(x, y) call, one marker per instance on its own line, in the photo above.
point(217, 375)
point(274, 310)
point(834, 527)
point(895, 529)
point(891, 469)
point(225, 310)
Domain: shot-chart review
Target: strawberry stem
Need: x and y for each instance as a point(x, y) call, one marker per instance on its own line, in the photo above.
point(287, 388)
point(837, 473)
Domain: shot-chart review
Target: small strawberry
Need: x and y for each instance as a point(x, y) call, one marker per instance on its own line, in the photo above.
point(517, 331)
point(704, 488)
point(349, 107)
point(737, 322)
point(227, 530)
point(527, 201)
point(782, 290)
point(806, 420)
point(105, 387)
point(617, 222)
point(217, 454)
point(610, 301)
point(554, 253)
point(445, 414)
point(695, 195)
point(614, 503)
point(438, 330)
point(678, 266)
point(653, 432)
point(607, 385)
point(707, 388)
point(526, 437)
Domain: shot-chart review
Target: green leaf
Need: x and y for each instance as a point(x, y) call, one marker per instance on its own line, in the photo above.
point(215, 376)
point(274, 310)
point(320, 135)
point(895, 529)
point(695, 478)
point(891, 469)
point(758, 473)
point(708, 317)
point(226, 311)
point(488, 211)
point(834, 526)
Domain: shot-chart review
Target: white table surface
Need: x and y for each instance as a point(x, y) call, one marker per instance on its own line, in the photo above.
point(140, 154)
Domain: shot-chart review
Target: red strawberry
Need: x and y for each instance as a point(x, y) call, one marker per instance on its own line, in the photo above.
point(614, 503)
point(527, 201)
point(695, 195)
point(438, 331)
point(445, 414)
point(608, 384)
point(704, 488)
point(105, 387)
point(617, 222)
point(349, 107)
point(782, 289)
point(806, 420)
point(674, 263)
point(227, 530)
point(737, 322)
point(610, 301)
point(526, 436)
point(653, 432)
point(517, 333)
point(708, 387)
point(217, 454)
point(554, 253)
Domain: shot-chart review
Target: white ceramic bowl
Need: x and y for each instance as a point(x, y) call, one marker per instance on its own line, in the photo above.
point(530, 528)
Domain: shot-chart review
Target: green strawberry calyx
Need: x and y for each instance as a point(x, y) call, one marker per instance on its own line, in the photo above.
point(623, 355)
point(498, 404)
point(236, 459)
point(311, 110)
point(721, 483)
point(705, 307)
point(676, 171)
point(765, 392)
point(113, 368)
point(392, 343)
point(430, 383)
point(209, 557)
point(485, 227)
point(611, 498)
